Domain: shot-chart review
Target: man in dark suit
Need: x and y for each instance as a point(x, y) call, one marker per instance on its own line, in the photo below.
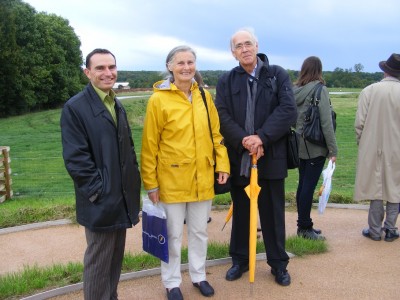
point(100, 157)
point(256, 107)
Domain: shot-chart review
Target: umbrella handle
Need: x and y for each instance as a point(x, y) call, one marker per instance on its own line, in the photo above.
point(254, 159)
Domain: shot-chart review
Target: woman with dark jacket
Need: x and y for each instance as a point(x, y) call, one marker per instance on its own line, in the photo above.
point(312, 156)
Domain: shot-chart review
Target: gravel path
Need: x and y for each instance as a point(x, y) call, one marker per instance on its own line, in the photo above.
point(353, 268)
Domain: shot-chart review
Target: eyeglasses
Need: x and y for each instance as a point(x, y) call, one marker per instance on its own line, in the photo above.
point(246, 45)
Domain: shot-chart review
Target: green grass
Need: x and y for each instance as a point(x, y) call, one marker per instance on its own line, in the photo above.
point(34, 279)
point(44, 191)
point(301, 247)
point(15, 212)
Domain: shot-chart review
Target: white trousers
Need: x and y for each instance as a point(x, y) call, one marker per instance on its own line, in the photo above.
point(196, 215)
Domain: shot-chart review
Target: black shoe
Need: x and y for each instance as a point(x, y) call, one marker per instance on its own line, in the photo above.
point(310, 234)
point(367, 234)
point(235, 272)
point(391, 235)
point(282, 277)
point(205, 288)
point(317, 231)
point(174, 294)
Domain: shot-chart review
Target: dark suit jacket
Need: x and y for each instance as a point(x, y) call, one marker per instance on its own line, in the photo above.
point(100, 157)
point(275, 111)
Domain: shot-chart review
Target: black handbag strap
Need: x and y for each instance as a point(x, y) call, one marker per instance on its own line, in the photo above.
point(317, 94)
point(315, 101)
point(203, 96)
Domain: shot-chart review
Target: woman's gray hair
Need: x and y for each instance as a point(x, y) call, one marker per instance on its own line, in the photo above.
point(171, 56)
point(245, 29)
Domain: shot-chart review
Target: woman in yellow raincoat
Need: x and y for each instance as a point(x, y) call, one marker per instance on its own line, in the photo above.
point(177, 165)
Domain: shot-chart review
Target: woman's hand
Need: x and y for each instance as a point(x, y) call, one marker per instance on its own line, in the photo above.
point(154, 196)
point(222, 177)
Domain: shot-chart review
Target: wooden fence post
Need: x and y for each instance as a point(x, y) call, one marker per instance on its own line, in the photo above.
point(5, 174)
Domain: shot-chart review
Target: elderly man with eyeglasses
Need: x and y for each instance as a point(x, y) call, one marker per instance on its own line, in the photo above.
point(256, 107)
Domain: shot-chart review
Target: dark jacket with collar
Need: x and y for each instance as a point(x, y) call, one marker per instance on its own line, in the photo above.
point(275, 111)
point(100, 157)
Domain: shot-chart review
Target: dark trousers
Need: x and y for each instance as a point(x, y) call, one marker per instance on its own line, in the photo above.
point(271, 207)
point(309, 172)
point(102, 264)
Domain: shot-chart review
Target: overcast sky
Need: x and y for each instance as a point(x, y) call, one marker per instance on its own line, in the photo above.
point(141, 32)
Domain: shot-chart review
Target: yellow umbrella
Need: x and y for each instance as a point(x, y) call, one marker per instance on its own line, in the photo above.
point(252, 190)
point(228, 216)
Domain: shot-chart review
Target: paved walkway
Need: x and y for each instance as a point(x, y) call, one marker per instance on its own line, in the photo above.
point(353, 268)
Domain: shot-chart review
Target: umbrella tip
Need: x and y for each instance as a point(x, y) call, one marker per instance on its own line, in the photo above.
point(251, 289)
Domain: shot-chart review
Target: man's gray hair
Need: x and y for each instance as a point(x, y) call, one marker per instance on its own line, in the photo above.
point(249, 30)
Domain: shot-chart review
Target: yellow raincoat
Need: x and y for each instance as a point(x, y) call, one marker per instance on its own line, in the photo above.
point(177, 152)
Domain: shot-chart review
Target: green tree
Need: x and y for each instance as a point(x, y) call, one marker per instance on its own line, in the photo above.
point(58, 75)
point(358, 67)
point(40, 56)
point(10, 77)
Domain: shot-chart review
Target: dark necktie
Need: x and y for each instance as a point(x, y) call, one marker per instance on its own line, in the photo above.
point(251, 86)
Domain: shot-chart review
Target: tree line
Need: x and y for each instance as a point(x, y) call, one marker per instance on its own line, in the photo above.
point(337, 78)
point(41, 63)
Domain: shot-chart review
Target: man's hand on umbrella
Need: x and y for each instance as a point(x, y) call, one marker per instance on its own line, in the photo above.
point(254, 145)
point(260, 152)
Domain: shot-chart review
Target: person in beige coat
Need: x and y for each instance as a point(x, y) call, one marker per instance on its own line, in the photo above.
point(377, 127)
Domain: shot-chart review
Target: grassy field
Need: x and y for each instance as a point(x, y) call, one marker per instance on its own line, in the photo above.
point(44, 191)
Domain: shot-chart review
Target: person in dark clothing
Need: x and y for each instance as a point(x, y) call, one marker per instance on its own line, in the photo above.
point(312, 156)
point(256, 107)
point(99, 156)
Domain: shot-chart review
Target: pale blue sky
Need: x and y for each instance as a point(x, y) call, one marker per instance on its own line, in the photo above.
point(141, 32)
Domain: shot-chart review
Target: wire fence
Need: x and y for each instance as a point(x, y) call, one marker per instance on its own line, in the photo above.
point(47, 177)
point(37, 177)
point(38, 168)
